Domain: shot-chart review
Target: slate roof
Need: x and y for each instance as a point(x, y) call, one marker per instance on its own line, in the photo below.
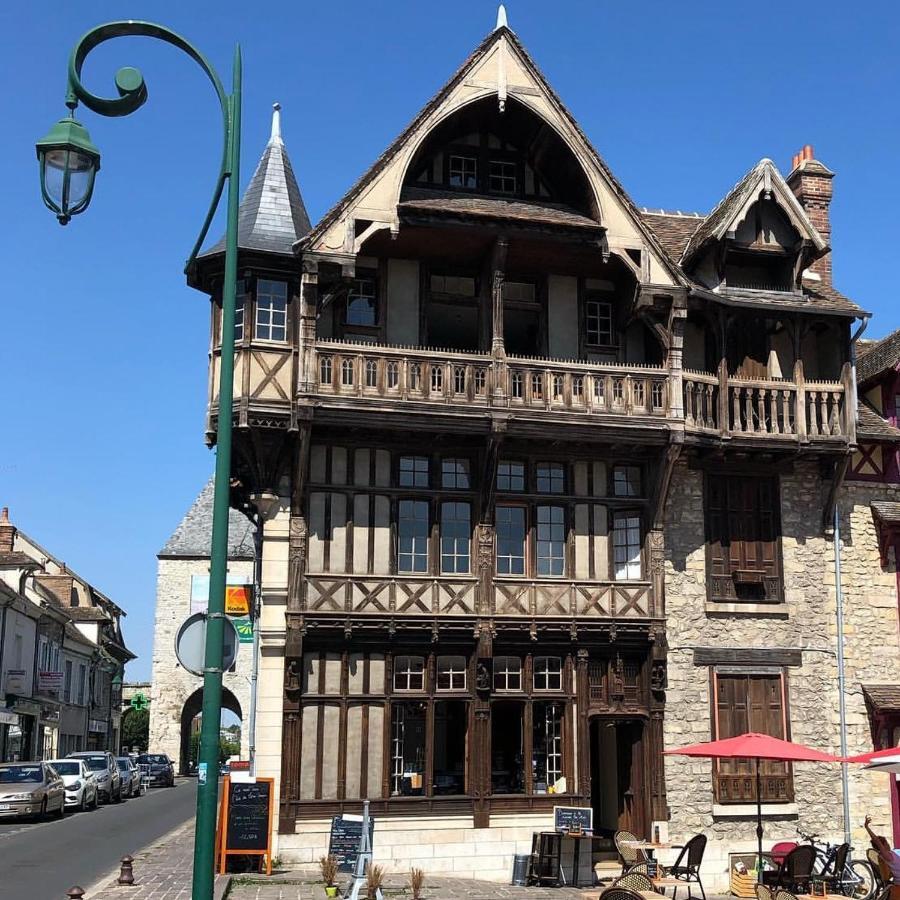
point(869, 424)
point(672, 229)
point(193, 535)
point(16, 559)
point(493, 209)
point(272, 215)
point(883, 697)
point(822, 299)
point(875, 357)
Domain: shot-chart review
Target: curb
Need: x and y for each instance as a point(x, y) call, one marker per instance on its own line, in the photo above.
point(104, 881)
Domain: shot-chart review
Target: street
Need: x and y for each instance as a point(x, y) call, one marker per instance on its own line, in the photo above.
point(42, 860)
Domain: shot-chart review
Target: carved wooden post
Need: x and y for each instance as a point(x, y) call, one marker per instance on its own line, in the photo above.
point(481, 775)
point(722, 412)
point(306, 329)
point(498, 345)
point(800, 400)
point(656, 552)
point(677, 321)
point(291, 732)
point(655, 742)
point(582, 725)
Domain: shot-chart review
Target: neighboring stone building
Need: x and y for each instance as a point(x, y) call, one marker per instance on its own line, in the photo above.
point(181, 589)
point(557, 479)
point(62, 655)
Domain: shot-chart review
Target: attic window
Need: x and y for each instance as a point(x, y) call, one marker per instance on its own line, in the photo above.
point(759, 271)
point(464, 172)
point(502, 177)
point(362, 306)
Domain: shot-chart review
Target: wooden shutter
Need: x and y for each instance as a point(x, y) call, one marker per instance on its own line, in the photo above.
point(742, 525)
point(752, 702)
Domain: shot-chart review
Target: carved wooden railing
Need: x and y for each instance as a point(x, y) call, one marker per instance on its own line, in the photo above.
point(448, 595)
point(347, 369)
point(771, 408)
point(586, 387)
point(603, 599)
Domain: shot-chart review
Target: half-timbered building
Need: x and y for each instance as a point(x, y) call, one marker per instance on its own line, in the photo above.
point(555, 474)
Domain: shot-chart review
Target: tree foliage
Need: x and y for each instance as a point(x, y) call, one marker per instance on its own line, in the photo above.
point(136, 729)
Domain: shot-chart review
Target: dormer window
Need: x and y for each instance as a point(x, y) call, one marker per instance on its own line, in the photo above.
point(463, 172)
point(502, 177)
point(598, 323)
point(759, 270)
point(362, 302)
point(271, 310)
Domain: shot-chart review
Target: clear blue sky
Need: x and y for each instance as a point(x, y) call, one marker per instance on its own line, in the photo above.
point(104, 347)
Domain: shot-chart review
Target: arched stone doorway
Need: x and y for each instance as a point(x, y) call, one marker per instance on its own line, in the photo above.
point(190, 711)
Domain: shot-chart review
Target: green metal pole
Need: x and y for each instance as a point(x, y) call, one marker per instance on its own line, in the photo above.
point(208, 769)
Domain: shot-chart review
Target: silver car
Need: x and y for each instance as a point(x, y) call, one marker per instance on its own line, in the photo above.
point(131, 776)
point(81, 785)
point(31, 789)
point(103, 764)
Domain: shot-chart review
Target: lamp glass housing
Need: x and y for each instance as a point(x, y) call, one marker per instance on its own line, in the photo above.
point(68, 166)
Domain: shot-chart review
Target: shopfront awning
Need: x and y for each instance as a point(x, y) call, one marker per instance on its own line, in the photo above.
point(8, 717)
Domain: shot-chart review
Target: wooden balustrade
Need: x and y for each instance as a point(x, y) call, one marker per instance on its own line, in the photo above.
point(770, 408)
point(712, 403)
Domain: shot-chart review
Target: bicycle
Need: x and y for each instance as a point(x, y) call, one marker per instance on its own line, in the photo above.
point(856, 879)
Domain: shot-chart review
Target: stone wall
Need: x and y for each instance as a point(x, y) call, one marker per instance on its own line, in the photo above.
point(171, 684)
point(807, 620)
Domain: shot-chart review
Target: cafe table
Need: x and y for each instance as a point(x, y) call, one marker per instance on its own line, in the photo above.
point(650, 847)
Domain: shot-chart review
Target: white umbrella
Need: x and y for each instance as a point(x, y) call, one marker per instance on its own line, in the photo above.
point(890, 764)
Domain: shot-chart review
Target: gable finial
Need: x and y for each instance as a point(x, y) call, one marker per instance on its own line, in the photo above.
point(276, 124)
point(501, 18)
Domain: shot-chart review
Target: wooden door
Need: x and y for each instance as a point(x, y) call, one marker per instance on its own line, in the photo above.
point(631, 795)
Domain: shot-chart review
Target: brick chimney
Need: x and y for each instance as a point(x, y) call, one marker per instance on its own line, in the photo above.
point(7, 532)
point(59, 586)
point(810, 181)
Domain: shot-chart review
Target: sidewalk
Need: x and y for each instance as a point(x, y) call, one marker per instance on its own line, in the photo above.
point(162, 871)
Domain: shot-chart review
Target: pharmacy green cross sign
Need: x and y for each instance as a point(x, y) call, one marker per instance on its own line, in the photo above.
point(140, 701)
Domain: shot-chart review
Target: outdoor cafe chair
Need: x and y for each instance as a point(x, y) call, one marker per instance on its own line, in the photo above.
point(782, 894)
point(833, 875)
point(763, 892)
point(630, 856)
point(634, 881)
point(795, 870)
point(619, 893)
point(687, 866)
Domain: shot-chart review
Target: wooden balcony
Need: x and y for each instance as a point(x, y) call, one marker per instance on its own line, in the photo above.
point(442, 377)
point(381, 595)
point(765, 408)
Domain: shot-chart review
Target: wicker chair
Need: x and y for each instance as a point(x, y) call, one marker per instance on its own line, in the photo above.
point(794, 872)
point(631, 856)
point(642, 868)
point(619, 893)
point(634, 881)
point(833, 875)
point(782, 894)
point(763, 892)
point(687, 866)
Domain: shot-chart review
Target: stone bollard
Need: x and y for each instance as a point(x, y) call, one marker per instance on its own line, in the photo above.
point(126, 873)
point(75, 893)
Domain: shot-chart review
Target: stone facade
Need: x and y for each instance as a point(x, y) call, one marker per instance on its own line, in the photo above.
point(185, 558)
point(808, 621)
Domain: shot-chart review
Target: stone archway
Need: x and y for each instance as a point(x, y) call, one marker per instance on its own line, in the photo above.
point(192, 707)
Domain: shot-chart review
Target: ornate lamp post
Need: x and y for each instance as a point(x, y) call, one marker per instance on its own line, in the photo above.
point(68, 164)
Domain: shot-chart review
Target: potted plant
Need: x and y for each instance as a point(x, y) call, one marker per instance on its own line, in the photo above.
point(329, 867)
point(374, 879)
point(416, 880)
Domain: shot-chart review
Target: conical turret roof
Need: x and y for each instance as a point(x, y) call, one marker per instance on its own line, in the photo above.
point(272, 216)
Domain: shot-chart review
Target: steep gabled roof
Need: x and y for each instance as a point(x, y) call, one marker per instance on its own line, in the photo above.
point(875, 357)
point(871, 425)
point(272, 216)
point(193, 535)
point(764, 176)
point(500, 33)
point(672, 229)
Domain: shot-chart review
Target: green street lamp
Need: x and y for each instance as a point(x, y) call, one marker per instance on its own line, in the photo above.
point(68, 165)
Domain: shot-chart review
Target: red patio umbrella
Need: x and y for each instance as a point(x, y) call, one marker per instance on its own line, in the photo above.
point(755, 746)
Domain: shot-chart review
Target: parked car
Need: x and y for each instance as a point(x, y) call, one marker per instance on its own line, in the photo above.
point(159, 767)
point(131, 776)
point(31, 789)
point(103, 764)
point(80, 782)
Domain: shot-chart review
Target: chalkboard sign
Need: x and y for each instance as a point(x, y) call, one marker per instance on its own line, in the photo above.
point(573, 818)
point(248, 815)
point(343, 844)
point(245, 820)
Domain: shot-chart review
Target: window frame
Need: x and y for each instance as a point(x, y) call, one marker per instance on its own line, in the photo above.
point(626, 468)
point(546, 674)
point(593, 296)
point(525, 541)
point(409, 673)
point(368, 277)
point(258, 308)
point(414, 553)
point(458, 675)
point(506, 673)
point(462, 468)
point(457, 153)
point(552, 477)
point(524, 476)
point(415, 470)
point(455, 555)
point(627, 514)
